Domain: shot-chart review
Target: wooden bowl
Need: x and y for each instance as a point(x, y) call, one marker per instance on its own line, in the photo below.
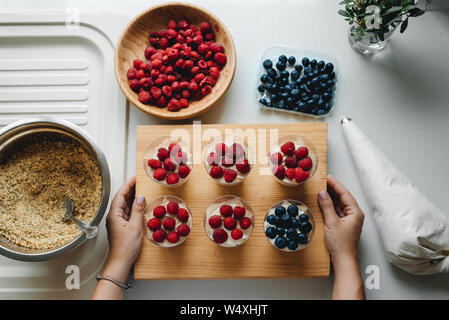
point(134, 40)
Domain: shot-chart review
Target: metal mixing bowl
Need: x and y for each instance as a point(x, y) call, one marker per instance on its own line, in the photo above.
point(22, 128)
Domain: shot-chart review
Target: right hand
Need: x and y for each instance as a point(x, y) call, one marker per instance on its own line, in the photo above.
point(343, 221)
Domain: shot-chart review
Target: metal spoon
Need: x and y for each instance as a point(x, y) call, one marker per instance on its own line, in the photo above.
point(90, 231)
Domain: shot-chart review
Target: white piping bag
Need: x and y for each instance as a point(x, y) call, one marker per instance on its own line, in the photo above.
point(415, 233)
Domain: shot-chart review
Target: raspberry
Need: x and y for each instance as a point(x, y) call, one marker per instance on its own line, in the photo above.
point(205, 27)
point(183, 230)
point(214, 72)
point(236, 234)
point(159, 174)
point(220, 235)
point(206, 90)
point(193, 86)
point(213, 158)
point(183, 25)
point(301, 175)
point(183, 215)
point(144, 96)
point(276, 158)
point(161, 102)
point(229, 175)
point(215, 221)
point(169, 165)
point(290, 173)
point(163, 43)
point(156, 63)
point(226, 210)
point(216, 172)
point(239, 212)
point(198, 39)
point(166, 90)
point(290, 162)
point(174, 105)
point(169, 224)
point(149, 51)
point(220, 58)
point(184, 103)
point(172, 24)
point(134, 84)
point(236, 150)
point(154, 164)
point(216, 47)
point(140, 74)
point(185, 94)
point(137, 63)
point(188, 64)
point(145, 83)
point(159, 235)
point(203, 48)
point(229, 223)
point(183, 171)
point(306, 164)
point(159, 211)
point(279, 171)
point(221, 149)
point(227, 162)
point(156, 93)
point(172, 178)
point(172, 53)
point(288, 148)
point(173, 237)
point(243, 166)
point(209, 36)
point(245, 223)
point(202, 64)
point(131, 74)
point(154, 224)
point(172, 207)
point(301, 153)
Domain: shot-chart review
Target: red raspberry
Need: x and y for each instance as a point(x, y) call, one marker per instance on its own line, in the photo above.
point(301, 175)
point(171, 78)
point(146, 67)
point(276, 158)
point(172, 178)
point(290, 162)
point(198, 39)
point(229, 175)
point(243, 166)
point(156, 63)
point(183, 230)
point(183, 25)
point(172, 54)
point(154, 224)
point(213, 158)
point(185, 94)
point(239, 212)
point(209, 36)
point(279, 171)
point(205, 27)
point(193, 86)
point(245, 223)
point(174, 105)
point(301, 153)
point(172, 24)
point(180, 38)
point(149, 51)
point(183, 85)
point(161, 102)
point(131, 74)
point(137, 63)
point(214, 72)
point(159, 235)
point(227, 162)
point(290, 173)
point(159, 211)
point(220, 235)
point(159, 174)
point(216, 172)
point(144, 96)
point(134, 85)
point(202, 64)
point(153, 41)
point(173, 237)
point(167, 91)
point(169, 165)
point(220, 58)
point(226, 210)
point(169, 223)
point(216, 47)
point(156, 92)
point(172, 207)
point(154, 164)
point(163, 43)
point(215, 221)
point(180, 63)
point(221, 149)
point(183, 215)
point(145, 83)
point(236, 234)
point(203, 48)
point(154, 74)
point(140, 74)
point(183, 171)
point(189, 64)
point(288, 148)
point(184, 103)
point(229, 223)
point(206, 90)
point(175, 86)
point(306, 164)
point(199, 77)
point(208, 81)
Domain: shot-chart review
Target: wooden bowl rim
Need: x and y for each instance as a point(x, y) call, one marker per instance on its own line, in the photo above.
point(163, 112)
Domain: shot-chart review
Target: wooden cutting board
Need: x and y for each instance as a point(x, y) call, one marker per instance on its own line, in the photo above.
point(198, 257)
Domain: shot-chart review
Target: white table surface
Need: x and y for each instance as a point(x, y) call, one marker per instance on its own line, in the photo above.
point(399, 98)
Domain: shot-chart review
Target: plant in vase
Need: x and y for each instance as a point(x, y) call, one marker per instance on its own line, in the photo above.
point(372, 22)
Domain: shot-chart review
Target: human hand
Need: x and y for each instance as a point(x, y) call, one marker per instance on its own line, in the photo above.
point(125, 231)
point(343, 221)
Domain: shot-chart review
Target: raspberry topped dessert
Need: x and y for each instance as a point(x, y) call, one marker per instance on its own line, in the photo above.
point(229, 221)
point(289, 225)
point(227, 164)
point(182, 63)
point(168, 161)
point(293, 160)
point(168, 221)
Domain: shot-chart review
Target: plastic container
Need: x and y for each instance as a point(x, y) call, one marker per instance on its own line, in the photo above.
point(273, 54)
point(302, 209)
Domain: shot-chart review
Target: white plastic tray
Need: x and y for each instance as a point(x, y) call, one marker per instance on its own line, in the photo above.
point(48, 68)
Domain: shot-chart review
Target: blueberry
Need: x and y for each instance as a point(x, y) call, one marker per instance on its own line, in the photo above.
point(327, 106)
point(291, 60)
point(290, 102)
point(313, 63)
point(329, 67)
point(261, 88)
point(308, 70)
point(321, 64)
point(284, 81)
point(272, 219)
point(287, 87)
point(302, 238)
point(292, 210)
point(310, 103)
point(296, 108)
point(313, 111)
point(280, 231)
point(294, 75)
point(280, 243)
point(279, 211)
point(272, 73)
point(280, 65)
point(321, 112)
point(316, 73)
point(331, 83)
point(292, 234)
point(295, 93)
point(305, 227)
point(320, 103)
point(282, 104)
point(263, 101)
point(292, 245)
point(299, 81)
point(315, 98)
point(324, 77)
point(264, 78)
point(268, 64)
point(323, 86)
point(285, 74)
point(298, 68)
point(269, 104)
point(283, 58)
point(303, 88)
point(327, 96)
point(305, 62)
point(322, 71)
point(332, 75)
point(274, 97)
point(302, 106)
point(295, 223)
point(285, 220)
point(284, 95)
point(274, 87)
point(271, 232)
point(269, 87)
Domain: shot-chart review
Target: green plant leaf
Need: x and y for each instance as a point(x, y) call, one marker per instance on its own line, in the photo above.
point(392, 10)
point(415, 12)
point(404, 25)
point(343, 13)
